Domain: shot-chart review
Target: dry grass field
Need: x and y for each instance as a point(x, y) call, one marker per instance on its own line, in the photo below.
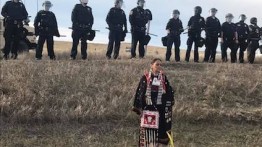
point(87, 103)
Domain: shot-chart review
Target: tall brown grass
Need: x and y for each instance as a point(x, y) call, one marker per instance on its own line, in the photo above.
point(82, 91)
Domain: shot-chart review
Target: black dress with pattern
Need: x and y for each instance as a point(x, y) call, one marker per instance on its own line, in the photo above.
point(165, 109)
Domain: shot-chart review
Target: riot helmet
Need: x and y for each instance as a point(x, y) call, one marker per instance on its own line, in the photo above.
point(198, 10)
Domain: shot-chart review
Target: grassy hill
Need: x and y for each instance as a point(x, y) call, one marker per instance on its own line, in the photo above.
point(87, 103)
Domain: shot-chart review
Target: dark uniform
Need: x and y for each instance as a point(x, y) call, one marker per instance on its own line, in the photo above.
point(253, 45)
point(229, 41)
point(242, 31)
point(195, 24)
point(14, 14)
point(175, 27)
point(138, 20)
point(213, 30)
point(46, 27)
point(83, 20)
point(116, 20)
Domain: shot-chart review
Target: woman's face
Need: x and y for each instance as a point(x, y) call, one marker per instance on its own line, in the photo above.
point(156, 67)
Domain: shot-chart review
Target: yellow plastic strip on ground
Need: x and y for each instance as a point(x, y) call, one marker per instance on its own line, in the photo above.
point(170, 136)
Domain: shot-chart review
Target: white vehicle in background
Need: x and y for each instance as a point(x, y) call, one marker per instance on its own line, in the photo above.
point(28, 38)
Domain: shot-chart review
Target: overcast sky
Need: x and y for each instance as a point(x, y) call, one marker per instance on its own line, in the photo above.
point(161, 10)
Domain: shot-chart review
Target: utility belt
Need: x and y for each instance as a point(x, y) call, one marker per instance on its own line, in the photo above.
point(212, 35)
point(242, 37)
point(19, 23)
point(229, 39)
point(174, 33)
point(116, 27)
point(138, 29)
point(42, 28)
point(82, 26)
point(194, 34)
point(254, 40)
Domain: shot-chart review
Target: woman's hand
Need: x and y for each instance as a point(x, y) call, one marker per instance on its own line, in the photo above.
point(137, 111)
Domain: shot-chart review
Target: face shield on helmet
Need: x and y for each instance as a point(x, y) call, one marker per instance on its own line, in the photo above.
point(84, 2)
point(47, 5)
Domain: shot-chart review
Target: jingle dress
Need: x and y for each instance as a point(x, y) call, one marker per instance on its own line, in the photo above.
point(154, 96)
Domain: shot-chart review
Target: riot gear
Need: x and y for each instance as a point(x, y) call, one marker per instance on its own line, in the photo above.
point(46, 27)
point(253, 20)
point(198, 10)
point(229, 37)
point(196, 24)
point(83, 20)
point(213, 30)
point(119, 3)
point(254, 37)
point(242, 17)
point(174, 28)
point(138, 19)
point(14, 12)
point(117, 23)
point(141, 3)
point(243, 32)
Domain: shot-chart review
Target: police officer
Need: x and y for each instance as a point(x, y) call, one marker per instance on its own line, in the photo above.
point(174, 29)
point(229, 39)
point(46, 27)
point(14, 13)
point(242, 31)
point(213, 30)
point(254, 37)
point(138, 19)
point(83, 20)
point(116, 20)
point(195, 26)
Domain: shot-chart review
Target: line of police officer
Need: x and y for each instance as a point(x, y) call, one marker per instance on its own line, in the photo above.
point(82, 18)
point(233, 36)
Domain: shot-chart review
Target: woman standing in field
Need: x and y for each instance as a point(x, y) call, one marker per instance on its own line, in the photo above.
point(153, 102)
